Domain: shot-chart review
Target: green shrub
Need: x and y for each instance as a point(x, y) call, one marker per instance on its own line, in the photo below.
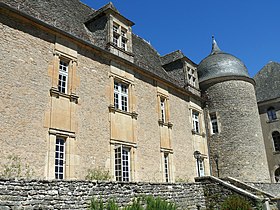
point(15, 169)
point(147, 203)
point(98, 174)
point(236, 203)
point(159, 204)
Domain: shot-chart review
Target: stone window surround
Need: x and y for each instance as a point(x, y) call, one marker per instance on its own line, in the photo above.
point(67, 136)
point(132, 147)
point(72, 65)
point(191, 76)
point(211, 123)
point(164, 122)
point(131, 109)
point(275, 152)
point(121, 153)
point(169, 152)
point(271, 115)
point(121, 96)
point(201, 130)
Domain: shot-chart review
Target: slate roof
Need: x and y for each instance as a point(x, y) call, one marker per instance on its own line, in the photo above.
point(71, 15)
point(220, 64)
point(268, 82)
point(171, 57)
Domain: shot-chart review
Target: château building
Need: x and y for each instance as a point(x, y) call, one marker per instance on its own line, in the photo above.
point(80, 91)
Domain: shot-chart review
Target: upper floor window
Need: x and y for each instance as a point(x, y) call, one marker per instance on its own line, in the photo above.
point(119, 37)
point(276, 140)
point(195, 119)
point(59, 157)
point(121, 96)
point(122, 163)
point(214, 123)
point(162, 110)
point(166, 167)
point(191, 76)
point(63, 76)
point(271, 114)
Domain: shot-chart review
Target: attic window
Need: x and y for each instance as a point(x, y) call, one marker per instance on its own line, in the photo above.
point(119, 37)
point(191, 76)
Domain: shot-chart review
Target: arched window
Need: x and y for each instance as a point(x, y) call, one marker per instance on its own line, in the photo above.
point(271, 114)
point(276, 140)
point(277, 174)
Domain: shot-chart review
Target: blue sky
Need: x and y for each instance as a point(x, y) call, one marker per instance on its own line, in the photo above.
point(248, 29)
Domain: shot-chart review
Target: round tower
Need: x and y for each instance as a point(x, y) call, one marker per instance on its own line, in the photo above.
point(235, 136)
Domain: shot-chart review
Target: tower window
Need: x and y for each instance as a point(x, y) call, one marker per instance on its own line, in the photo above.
point(271, 114)
point(276, 140)
point(214, 123)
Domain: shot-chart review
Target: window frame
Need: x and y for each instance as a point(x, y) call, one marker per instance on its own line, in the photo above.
point(201, 167)
point(122, 167)
point(119, 38)
point(163, 109)
point(166, 165)
point(63, 64)
point(60, 142)
point(214, 123)
point(196, 121)
point(276, 141)
point(271, 114)
point(121, 98)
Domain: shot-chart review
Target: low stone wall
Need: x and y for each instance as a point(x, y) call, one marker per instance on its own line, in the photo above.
point(206, 193)
point(273, 188)
point(42, 194)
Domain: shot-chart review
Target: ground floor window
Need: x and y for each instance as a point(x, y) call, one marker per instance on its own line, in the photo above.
point(277, 175)
point(122, 163)
point(166, 167)
point(59, 157)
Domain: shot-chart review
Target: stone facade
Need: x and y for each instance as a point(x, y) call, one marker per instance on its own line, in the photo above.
point(85, 116)
point(268, 97)
point(85, 93)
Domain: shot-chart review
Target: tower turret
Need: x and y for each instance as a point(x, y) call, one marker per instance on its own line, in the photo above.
point(235, 135)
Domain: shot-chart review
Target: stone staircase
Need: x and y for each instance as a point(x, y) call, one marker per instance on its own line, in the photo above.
point(271, 202)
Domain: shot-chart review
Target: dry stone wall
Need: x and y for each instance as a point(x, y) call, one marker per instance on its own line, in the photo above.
point(206, 193)
point(42, 194)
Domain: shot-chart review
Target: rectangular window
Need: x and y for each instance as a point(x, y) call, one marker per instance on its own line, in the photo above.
point(214, 123)
point(195, 119)
point(166, 167)
point(122, 163)
point(59, 157)
point(121, 96)
point(115, 28)
point(162, 110)
point(123, 39)
point(63, 77)
point(200, 167)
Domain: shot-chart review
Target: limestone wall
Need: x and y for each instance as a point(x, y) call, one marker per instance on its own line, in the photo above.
point(77, 194)
point(239, 143)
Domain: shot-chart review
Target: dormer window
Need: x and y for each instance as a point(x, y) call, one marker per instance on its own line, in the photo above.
point(191, 76)
point(119, 37)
